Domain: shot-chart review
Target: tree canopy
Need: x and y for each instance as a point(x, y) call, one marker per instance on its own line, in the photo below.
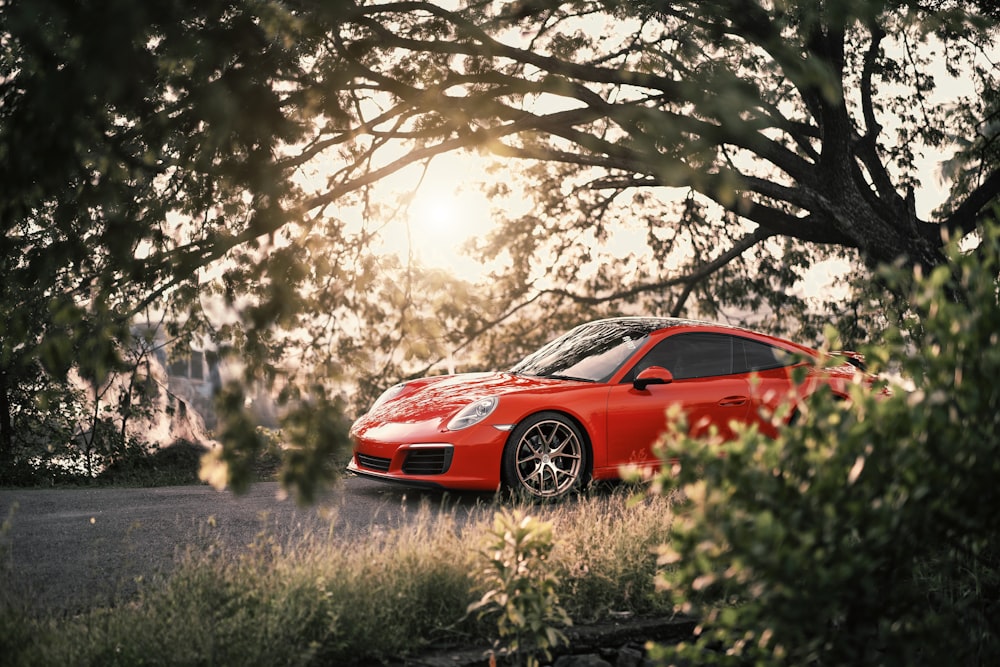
point(202, 158)
point(800, 121)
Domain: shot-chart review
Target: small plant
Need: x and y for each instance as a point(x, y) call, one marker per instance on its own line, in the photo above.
point(520, 589)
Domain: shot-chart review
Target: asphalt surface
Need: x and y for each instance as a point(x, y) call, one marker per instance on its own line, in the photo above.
point(69, 549)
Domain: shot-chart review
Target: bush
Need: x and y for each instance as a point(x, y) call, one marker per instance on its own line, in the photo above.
point(167, 466)
point(520, 589)
point(868, 532)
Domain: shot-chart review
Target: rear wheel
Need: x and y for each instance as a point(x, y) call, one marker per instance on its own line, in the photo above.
point(545, 457)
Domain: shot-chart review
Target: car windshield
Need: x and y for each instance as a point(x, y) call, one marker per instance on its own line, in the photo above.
point(590, 352)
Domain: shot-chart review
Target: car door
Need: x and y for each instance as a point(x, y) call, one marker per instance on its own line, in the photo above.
point(704, 386)
point(772, 391)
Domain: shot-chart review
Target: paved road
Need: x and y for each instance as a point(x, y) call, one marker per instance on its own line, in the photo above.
point(67, 548)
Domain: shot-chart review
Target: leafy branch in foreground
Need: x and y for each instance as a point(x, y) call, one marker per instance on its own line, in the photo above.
point(865, 532)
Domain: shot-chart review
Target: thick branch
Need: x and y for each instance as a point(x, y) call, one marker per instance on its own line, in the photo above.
point(484, 45)
point(866, 145)
point(975, 207)
point(700, 273)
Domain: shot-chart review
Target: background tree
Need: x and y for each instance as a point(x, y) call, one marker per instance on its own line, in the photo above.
point(112, 126)
point(796, 128)
point(219, 160)
point(139, 146)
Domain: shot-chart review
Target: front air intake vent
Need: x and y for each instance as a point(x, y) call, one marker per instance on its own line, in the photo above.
point(427, 461)
point(376, 463)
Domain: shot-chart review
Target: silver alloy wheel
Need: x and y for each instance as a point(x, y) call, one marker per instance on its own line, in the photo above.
point(548, 458)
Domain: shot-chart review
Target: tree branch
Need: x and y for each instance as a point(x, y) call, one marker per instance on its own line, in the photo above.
point(700, 273)
point(975, 207)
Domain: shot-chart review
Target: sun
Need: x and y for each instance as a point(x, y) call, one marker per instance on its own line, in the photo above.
point(436, 213)
point(441, 219)
point(428, 214)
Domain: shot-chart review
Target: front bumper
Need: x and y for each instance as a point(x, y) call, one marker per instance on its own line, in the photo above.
point(352, 467)
point(471, 463)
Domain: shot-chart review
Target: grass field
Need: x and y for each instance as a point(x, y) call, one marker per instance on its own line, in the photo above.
point(318, 600)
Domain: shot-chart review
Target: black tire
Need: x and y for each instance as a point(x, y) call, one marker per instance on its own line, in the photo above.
point(545, 457)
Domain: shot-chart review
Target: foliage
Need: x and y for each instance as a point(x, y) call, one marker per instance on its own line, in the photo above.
point(44, 415)
point(865, 533)
point(100, 444)
point(168, 160)
point(71, 429)
point(785, 128)
point(315, 428)
point(521, 590)
point(173, 465)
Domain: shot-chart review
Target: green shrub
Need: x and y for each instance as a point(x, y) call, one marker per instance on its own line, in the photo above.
point(520, 587)
point(868, 532)
point(140, 466)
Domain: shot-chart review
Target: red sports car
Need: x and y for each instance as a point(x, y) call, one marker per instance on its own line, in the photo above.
point(583, 405)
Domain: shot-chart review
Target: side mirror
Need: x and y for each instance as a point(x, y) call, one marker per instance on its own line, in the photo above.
point(652, 375)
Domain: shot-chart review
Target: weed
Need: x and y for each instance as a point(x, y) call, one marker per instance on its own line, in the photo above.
point(521, 590)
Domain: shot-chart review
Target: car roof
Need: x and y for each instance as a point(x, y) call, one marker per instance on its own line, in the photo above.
point(638, 326)
point(641, 325)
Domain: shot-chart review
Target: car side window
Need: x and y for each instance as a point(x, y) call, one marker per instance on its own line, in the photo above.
point(751, 355)
point(693, 355)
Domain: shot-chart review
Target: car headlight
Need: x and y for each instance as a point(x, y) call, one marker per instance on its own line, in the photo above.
point(473, 413)
point(387, 395)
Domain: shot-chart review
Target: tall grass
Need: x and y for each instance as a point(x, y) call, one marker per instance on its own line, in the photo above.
point(322, 600)
point(605, 553)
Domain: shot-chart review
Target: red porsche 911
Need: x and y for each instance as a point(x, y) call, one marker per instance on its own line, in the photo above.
point(583, 405)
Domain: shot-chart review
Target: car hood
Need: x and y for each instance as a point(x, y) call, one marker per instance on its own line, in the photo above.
point(437, 399)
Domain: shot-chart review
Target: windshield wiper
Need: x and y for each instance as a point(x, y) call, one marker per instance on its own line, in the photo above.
point(570, 378)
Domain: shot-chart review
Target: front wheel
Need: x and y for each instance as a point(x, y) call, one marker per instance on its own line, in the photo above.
point(545, 457)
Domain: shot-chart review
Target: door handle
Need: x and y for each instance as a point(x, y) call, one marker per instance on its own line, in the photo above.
point(733, 401)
